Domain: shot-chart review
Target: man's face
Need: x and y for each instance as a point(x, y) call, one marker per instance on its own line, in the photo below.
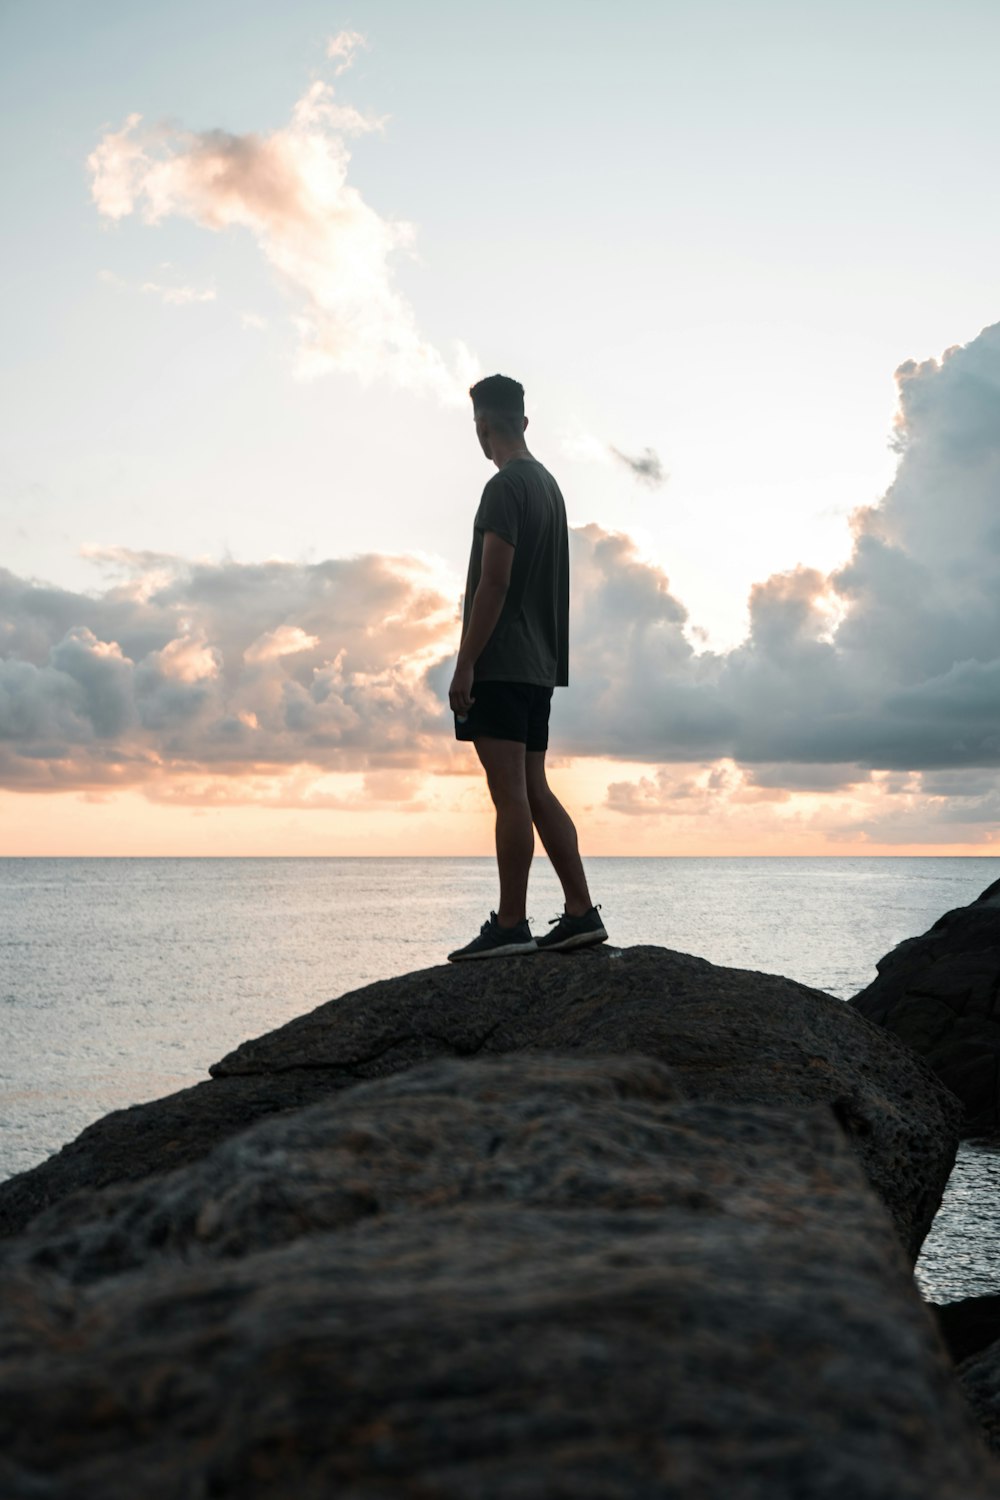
point(483, 433)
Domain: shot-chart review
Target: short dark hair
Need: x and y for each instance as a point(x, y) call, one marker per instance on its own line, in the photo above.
point(501, 399)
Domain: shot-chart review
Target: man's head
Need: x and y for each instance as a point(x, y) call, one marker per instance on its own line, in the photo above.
point(498, 408)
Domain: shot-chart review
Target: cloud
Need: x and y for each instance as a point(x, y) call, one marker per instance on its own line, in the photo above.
point(178, 671)
point(176, 295)
point(343, 47)
point(646, 466)
point(891, 662)
point(637, 680)
point(286, 640)
point(873, 689)
point(189, 658)
point(584, 447)
point(812, 777)
point(374, 791)
point(289, 189)
point(179, 296)
point(723, 806)
point(695, 793)
point(918, 811)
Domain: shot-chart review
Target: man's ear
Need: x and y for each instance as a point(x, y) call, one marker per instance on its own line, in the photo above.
point(525, 424)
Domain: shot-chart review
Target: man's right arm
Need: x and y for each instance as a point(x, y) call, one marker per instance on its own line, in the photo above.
point(488, 601)
point(487, 606)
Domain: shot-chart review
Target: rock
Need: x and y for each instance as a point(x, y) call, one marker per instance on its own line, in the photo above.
point(527, 1277)
point(940, 994)
point(128, 1144)
point(969, 1325)
point(979, 1377)
point(730, 1035)
point(539, 1131)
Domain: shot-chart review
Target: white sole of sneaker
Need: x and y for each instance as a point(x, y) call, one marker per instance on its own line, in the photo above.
point(580, 940)
point(505, 952)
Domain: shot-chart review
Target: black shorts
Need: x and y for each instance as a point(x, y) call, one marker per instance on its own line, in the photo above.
point(508, 711)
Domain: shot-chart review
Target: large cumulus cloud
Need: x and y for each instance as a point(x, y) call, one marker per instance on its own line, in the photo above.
point(890, 662)
point(222, 667)
point(886, 668)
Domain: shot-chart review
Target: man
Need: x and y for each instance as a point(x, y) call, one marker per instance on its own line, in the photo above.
point(515, 639)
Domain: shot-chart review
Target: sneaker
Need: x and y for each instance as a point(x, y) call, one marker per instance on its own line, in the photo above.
point(495, 941)
point(573, 932)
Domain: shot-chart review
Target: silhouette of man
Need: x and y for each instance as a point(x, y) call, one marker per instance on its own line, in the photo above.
point(514, 651)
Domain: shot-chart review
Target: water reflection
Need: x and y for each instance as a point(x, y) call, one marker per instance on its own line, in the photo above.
point(961, 1255)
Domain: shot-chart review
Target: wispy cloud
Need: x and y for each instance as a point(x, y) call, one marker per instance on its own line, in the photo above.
point(584, 447)
point(179, 296)
point(344, 47)
point(646, 466)
point(290, 190)
point(175, 293)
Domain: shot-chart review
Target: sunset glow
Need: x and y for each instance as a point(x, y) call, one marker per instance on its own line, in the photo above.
point(240, 472)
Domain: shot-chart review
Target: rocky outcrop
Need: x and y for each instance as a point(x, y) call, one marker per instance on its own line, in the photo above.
point(521, 1276)
point(730, 1036)
point(940, 994)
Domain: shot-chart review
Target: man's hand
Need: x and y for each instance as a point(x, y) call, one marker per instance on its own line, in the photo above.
point(460, 692)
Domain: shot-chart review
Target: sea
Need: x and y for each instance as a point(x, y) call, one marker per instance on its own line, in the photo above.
point(124, 979)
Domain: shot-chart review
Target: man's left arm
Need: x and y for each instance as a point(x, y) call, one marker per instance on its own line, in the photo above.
point(487, 604)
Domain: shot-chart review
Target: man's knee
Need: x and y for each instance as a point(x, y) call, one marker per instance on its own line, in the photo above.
point(540, 795)
point(503, 763)
point(539, 792)
point(507, 794)
point(542, 800)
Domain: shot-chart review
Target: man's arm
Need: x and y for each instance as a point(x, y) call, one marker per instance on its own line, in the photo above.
point(487, 603)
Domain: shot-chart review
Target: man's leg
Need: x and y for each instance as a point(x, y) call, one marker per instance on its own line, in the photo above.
point(558, 834)
point(504, 764)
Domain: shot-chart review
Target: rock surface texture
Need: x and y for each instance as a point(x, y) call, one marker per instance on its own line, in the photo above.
point(940, 994)
point(528, 1276)
point(979, 1376)
point(730, 1036)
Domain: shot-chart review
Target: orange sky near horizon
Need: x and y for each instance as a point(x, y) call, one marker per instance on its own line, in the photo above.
point(451, 816)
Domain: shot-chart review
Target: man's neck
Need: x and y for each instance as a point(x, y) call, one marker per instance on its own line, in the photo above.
point(504, 455)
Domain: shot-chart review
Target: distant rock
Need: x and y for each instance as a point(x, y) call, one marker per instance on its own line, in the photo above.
point(506, 1278)
point(730, 1036)
point(940, 994)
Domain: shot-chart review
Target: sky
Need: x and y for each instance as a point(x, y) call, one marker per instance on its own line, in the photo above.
point(743, 257)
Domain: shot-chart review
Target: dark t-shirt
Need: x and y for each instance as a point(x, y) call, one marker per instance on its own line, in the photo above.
point(523, 505)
